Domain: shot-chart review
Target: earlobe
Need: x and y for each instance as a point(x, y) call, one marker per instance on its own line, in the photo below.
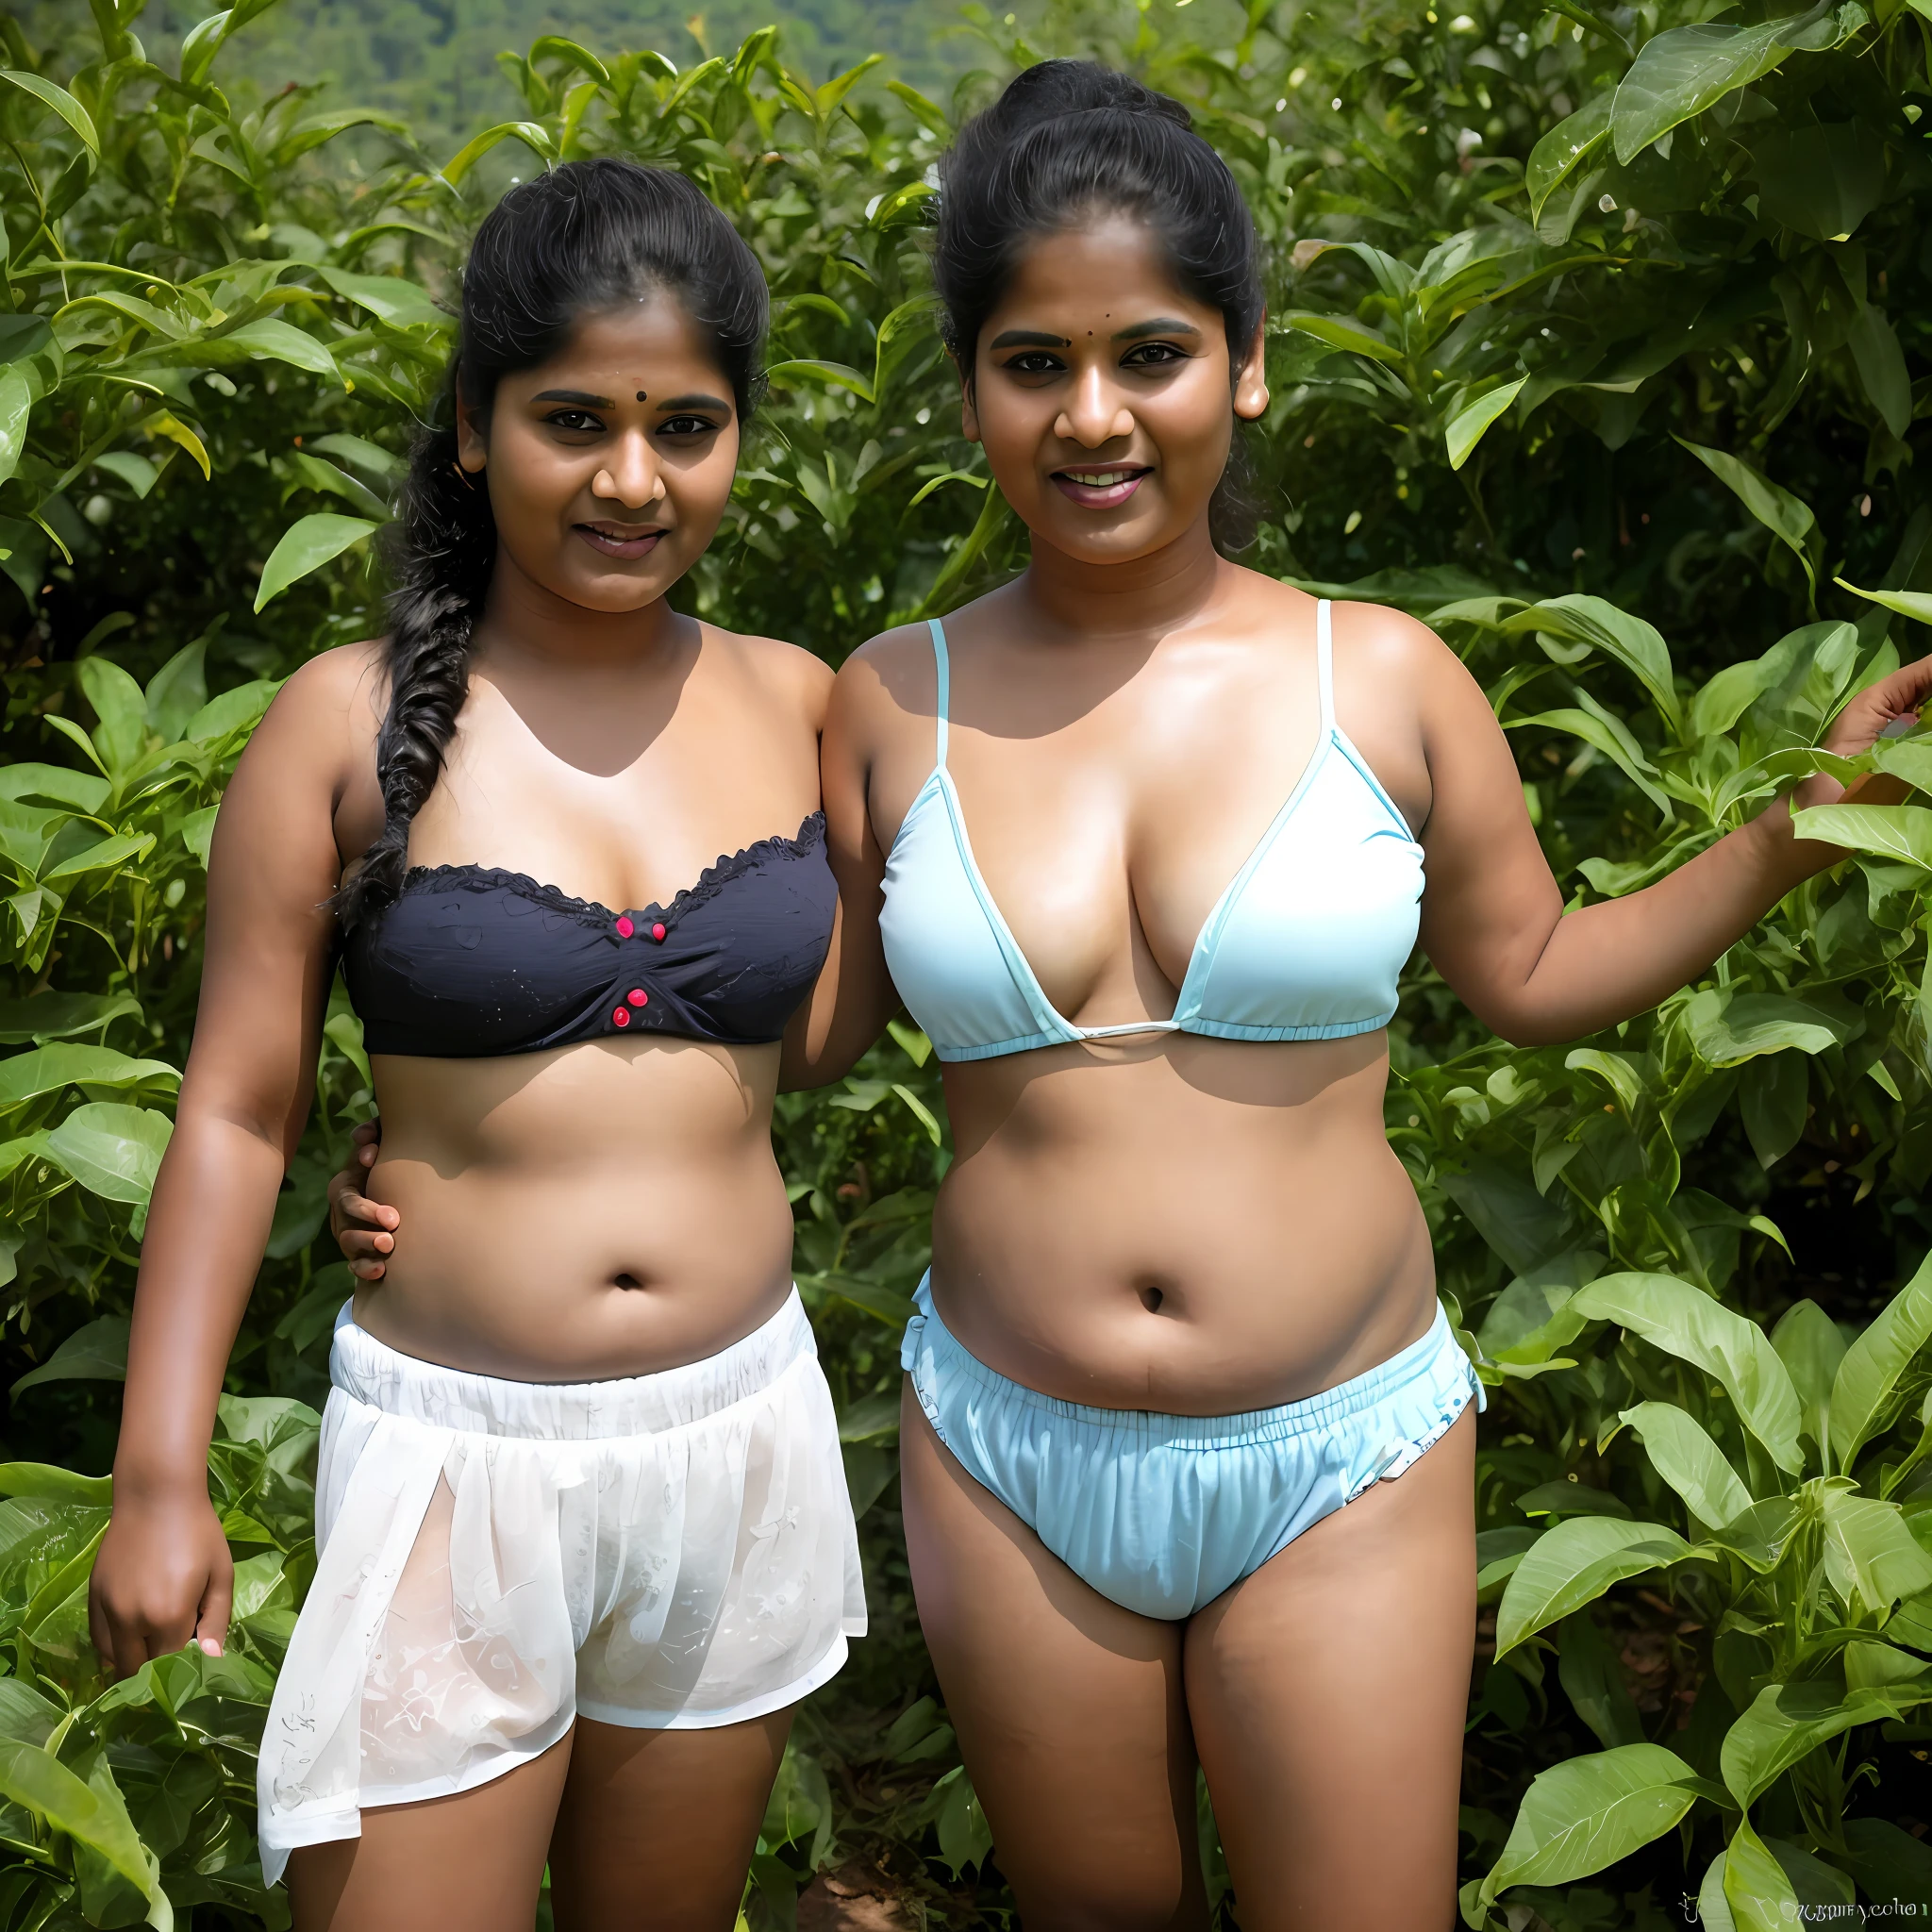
point(472, 451)
point(1251, 390)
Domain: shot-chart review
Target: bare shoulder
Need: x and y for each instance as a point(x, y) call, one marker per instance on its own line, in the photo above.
point(786, 669)
point(893, 671)
point(337, 696)
point(1389, 643)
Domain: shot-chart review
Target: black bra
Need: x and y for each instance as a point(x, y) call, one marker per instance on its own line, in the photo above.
point(470, 961)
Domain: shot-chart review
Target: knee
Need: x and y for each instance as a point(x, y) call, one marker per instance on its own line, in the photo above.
point(1082, 1893)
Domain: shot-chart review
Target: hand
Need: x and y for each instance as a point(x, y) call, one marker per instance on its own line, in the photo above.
point(364, 1229)
point(163, 1575)
point(1857, 728)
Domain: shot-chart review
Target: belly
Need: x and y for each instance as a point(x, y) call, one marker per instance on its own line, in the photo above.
point(1198, 1228)
point(604, 1210)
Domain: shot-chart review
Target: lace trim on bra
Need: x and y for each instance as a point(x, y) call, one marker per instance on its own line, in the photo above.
point(708, 883)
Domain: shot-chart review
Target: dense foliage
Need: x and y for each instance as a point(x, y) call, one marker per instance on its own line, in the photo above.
point(1600, 340)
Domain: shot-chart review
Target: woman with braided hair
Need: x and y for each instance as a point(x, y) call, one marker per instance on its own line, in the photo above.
point(583, 1532)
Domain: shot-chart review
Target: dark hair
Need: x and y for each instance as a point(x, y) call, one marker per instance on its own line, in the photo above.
point(1069, 139)
point(583, 237)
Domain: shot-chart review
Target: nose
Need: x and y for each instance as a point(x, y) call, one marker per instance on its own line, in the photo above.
point(1094, 414)
point(630, 476)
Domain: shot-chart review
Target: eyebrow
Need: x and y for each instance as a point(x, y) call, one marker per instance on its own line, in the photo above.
point(694, 401)
point(581, 396)
point(1028, 338)
point(1161, 325)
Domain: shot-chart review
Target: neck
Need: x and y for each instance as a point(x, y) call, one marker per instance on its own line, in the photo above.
point(523, 622)
point(1144, 595)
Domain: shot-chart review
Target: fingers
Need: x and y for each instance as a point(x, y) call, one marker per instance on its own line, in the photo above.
point(366, 1139)
point(211, 1625)
point(100, 1634)
point(363, 1249)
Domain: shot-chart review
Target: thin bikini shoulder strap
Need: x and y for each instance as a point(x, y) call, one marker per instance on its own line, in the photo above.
point(943, 703)
point(1325, 664)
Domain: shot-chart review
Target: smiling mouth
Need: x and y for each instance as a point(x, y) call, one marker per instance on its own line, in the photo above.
point(1100, 486)
point(623, 541)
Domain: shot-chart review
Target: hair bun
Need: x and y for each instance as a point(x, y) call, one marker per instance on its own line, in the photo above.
point(1053, 89)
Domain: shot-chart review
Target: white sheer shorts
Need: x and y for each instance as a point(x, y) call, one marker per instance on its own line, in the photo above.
point(494, 1559)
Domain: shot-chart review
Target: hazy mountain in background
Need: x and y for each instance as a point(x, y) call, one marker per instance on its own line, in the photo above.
point(433, 61)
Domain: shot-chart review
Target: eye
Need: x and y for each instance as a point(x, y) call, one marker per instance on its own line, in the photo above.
point(1153, 356)
point(687, 425)
point(573, 422)
point(1035, 362)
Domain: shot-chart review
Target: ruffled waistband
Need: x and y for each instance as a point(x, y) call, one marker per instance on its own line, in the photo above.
point(371, 1372)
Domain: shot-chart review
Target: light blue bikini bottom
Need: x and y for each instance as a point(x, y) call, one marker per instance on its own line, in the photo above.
point(1163, 1512)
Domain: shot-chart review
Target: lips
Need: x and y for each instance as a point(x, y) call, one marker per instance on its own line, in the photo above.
point(1100, 486)
point(623, 542)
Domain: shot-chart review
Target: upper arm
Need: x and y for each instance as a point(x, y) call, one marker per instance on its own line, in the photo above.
point(1490, 902)
point(854, 998)
point(272, 868)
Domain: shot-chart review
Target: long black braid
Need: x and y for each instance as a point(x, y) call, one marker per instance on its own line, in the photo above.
point(583, 237)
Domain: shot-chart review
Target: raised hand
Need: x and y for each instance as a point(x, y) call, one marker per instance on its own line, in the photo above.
point(1878, 709)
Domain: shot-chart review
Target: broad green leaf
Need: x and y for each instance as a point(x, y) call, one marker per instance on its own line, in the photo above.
point(839, 374)
point(1886, 832)
point(234, 710)
point(1755, 1888)
point(1789, 520)
point(61, 1485)
point(45, 1786)
point(85, 791)
point(62, 103)
point(388, 298)
point(16, 399)
point(1728, 1030)
point(97, 1352)
point(111, 1150)
point(1344, 332)
point(359, 453)
point(1868, 1377)
point(95, 1069)
point(105, 856)
point(1683, 1454)
point(1913, 603)
point(1464, 429)
point(1586, 1813)
point(1682, 72)
point(1773, 1101)
point(1682, 1320)
point(1881, 366)
point(1574, 1564)
point(1559, 150)
point(891, 1306)
point(1635, 645)
point(305, 547)
point(1784, 1722)
point(176, 692)
point(1889, 1864)
point(1615, 743)
point(928, 113)
point(50, 1016)
point(1809, 1345)
point(533, 137)
point(1869, 1550)
point(270, 340)
point(121, 705)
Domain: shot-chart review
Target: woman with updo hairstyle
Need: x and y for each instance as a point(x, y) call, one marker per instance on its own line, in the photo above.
point(583, 1537)
point(1187, 1445)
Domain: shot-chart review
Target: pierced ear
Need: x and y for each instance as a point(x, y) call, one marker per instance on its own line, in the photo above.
point(1251, 386)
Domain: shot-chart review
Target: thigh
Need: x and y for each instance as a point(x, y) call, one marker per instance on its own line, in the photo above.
point(1069, 1710)
point(656, 1828)
point(1328, 1692)
point(470, 1863)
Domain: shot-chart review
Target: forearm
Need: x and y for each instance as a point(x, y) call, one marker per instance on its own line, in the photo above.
point(207, 1226)
point(1621, 957)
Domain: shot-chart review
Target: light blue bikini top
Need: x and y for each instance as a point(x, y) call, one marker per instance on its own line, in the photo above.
point(1306, 943)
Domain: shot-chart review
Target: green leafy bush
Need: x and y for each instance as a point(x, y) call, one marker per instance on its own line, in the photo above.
point(1599, 340)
